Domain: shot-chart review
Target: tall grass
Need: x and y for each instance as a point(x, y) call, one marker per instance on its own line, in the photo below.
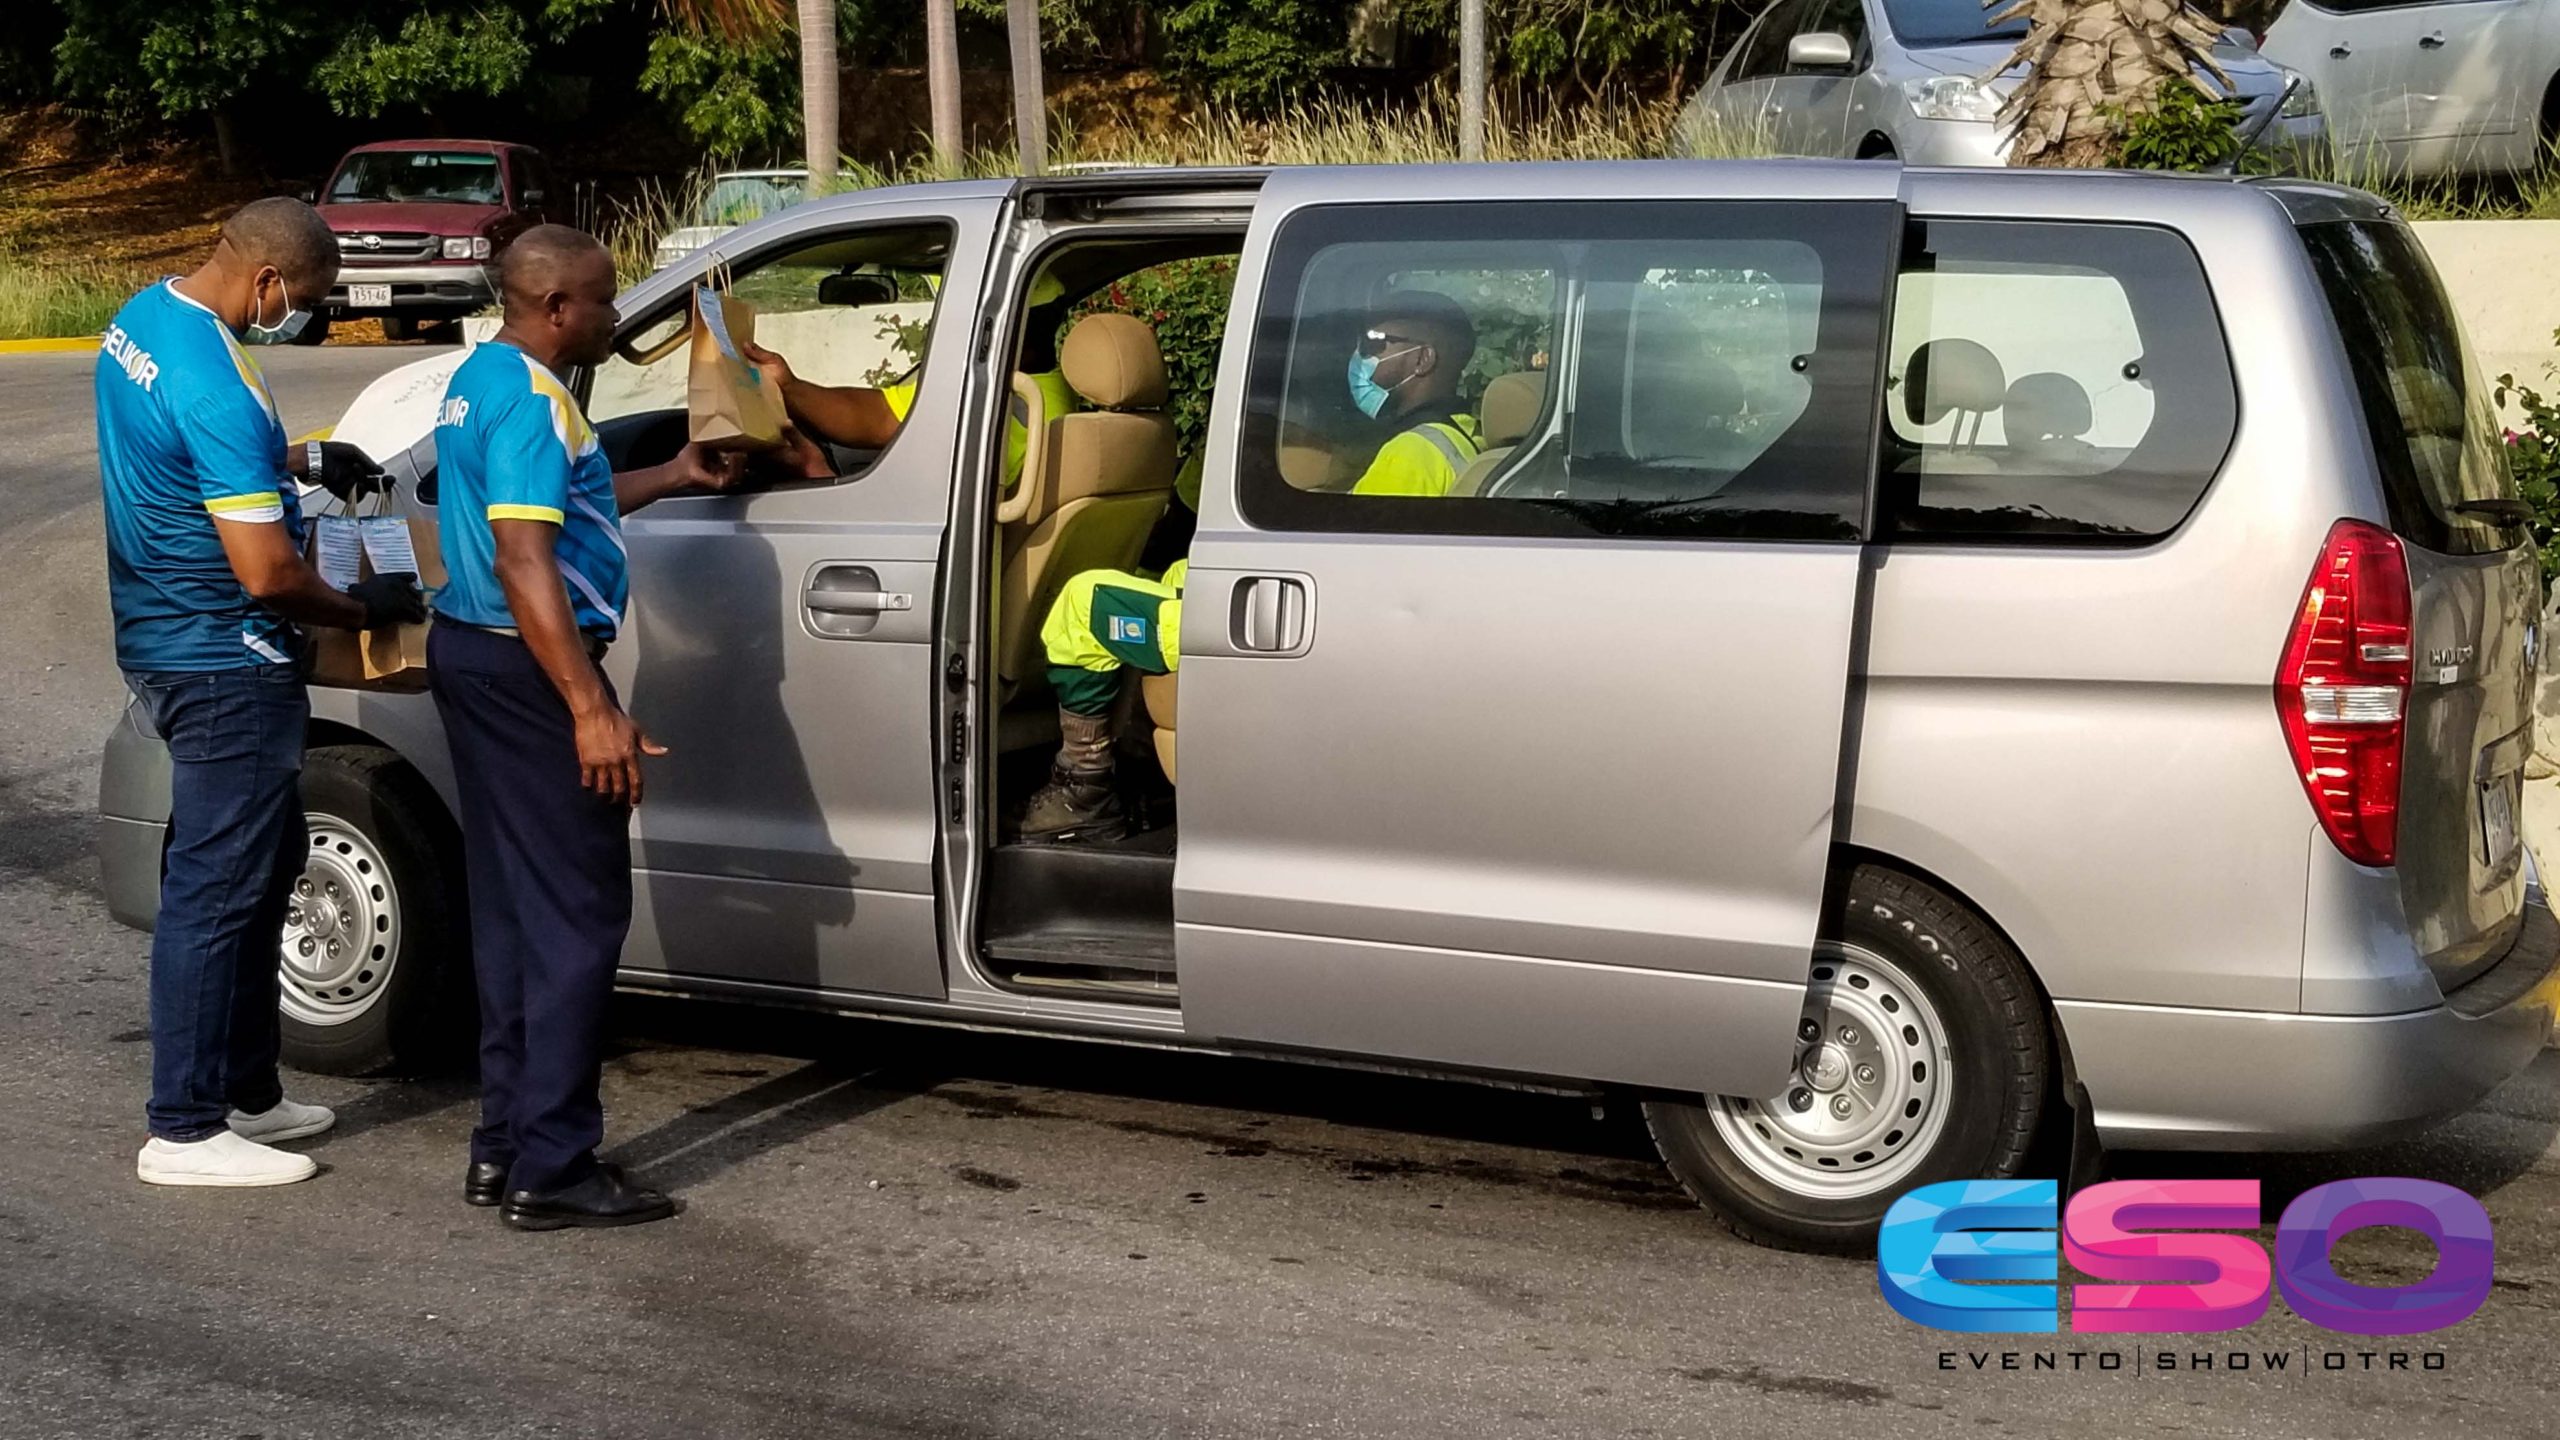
point(2534, 195)
point(56, 299)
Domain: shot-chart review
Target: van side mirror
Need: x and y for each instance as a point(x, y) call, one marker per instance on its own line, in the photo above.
point(1822, 52)
point(867, 288)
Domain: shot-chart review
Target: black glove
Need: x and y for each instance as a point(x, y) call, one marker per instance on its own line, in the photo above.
point(392, 599)
point(346, 471)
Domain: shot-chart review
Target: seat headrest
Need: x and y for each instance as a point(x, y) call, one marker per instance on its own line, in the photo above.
point(1112, 361)
point(2047, 405)
point(1511, 405)
point(1952, 374)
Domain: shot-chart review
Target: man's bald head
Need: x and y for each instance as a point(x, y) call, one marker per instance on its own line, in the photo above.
point(558, 285)
point(289, 237)
point(550, 260)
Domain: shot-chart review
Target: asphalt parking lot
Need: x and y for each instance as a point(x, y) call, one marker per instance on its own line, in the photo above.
point(925, 1233)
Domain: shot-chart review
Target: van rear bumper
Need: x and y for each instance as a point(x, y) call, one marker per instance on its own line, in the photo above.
point(2173, 1079)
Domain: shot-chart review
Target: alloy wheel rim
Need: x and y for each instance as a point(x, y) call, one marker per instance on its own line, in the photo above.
point(341, 929)
point(1868, 1094)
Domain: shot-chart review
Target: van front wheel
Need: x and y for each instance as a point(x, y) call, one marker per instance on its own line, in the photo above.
point(1921, 1055)
point(372, 973)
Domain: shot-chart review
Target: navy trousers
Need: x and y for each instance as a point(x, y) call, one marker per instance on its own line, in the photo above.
point(236, 843)
point(549, 867)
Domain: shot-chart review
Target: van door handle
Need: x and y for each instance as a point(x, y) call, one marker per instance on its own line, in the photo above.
point(1269, 616)
point(855, 602)
point(843, 601)
point(2431, 42)
point(2341, 52)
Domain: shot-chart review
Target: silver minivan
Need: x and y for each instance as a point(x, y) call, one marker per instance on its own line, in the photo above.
point(1933, 671)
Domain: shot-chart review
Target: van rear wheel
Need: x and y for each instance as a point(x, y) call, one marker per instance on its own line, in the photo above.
point(1922, 1054)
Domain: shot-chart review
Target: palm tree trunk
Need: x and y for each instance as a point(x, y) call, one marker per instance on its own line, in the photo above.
point(942, 81)
point(1030, 94)
point(818, 97)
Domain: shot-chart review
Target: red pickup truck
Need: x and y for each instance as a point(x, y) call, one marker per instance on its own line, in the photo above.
point(418, 222)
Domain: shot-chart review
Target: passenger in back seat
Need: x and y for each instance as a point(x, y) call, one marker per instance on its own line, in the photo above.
point(1405, 370)
point(1104, 621)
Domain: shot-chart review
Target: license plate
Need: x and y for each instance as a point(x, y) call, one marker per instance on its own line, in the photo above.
point(2497, 820)
point(369, 297)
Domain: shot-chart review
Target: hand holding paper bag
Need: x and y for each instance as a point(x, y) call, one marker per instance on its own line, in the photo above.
point(728, 399)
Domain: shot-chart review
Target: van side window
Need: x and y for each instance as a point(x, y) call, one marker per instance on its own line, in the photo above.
point(2051, 382)
point(853, 311)
point(1670, 370)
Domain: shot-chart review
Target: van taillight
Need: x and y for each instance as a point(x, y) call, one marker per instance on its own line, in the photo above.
point(2343, 689)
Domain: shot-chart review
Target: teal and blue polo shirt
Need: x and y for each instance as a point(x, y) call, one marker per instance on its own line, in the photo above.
point(511, 444)
point(187, 439)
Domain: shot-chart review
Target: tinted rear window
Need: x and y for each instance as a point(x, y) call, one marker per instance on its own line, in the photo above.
point(2435, 431)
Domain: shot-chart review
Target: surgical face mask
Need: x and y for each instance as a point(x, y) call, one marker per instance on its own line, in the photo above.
point(283, 331)
point(1366, 392)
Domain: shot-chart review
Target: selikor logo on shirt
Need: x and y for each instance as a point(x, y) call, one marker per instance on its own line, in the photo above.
point(136, 362)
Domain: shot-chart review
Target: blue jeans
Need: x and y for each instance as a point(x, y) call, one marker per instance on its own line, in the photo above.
point(236, 843)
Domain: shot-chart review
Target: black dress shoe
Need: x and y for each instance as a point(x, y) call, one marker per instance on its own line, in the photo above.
point(603, 1199)
point(484, 1184)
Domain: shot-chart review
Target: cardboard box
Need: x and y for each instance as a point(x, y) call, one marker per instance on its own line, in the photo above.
point(392, 658)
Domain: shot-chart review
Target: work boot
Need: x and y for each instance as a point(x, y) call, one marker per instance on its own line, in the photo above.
point(1080, 802)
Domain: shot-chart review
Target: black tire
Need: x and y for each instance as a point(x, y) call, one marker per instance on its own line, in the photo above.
point(399, 327)
point(418, 1014)
point(1997, 1073)
point(1877, 147)
point(316, 332)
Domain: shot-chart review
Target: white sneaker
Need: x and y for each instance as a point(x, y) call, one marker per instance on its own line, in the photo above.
point(220, 1159)
point(287, 1121)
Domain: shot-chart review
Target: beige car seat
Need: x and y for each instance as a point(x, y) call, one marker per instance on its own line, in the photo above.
point(1158, 692)
point(1092, 488)
point(1510, 406)
point(1954, 377)
point(2047, 419)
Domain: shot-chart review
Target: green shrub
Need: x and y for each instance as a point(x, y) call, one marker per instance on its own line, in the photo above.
point(2533, 453)
point(2181, 129)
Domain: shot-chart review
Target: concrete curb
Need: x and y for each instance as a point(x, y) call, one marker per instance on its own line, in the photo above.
point(68, 345)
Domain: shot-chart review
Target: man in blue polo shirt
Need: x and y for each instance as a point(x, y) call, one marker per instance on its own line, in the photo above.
point(207, 580)
point(546, 762)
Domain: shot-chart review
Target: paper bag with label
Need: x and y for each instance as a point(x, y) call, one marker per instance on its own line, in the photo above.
point(347, 549)
point(726, 398)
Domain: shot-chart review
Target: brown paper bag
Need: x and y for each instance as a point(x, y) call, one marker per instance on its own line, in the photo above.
point(390, 658)
point(726, 399)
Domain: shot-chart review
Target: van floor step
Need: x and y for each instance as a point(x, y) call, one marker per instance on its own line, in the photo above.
point(1141, 948)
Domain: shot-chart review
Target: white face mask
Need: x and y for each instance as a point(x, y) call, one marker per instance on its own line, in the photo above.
point(283, 331)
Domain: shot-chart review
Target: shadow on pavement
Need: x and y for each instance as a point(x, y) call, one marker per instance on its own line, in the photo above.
point(708, 1139)
point(1250, 1090)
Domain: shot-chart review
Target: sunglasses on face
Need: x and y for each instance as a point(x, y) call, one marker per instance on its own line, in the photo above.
point(1378, 343)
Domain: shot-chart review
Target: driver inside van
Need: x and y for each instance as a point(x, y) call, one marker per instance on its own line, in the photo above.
point(863, 417)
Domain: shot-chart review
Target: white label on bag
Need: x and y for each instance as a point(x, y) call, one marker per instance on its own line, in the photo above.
point(387, 547)
point(341, 550)
point(715, 317)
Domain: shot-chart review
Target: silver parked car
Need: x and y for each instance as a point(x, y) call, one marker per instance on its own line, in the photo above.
point(1911, 79)
point(1892, 686)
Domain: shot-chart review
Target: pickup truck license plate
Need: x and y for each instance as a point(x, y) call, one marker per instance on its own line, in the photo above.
point(2498, 819)
point(369, 297)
